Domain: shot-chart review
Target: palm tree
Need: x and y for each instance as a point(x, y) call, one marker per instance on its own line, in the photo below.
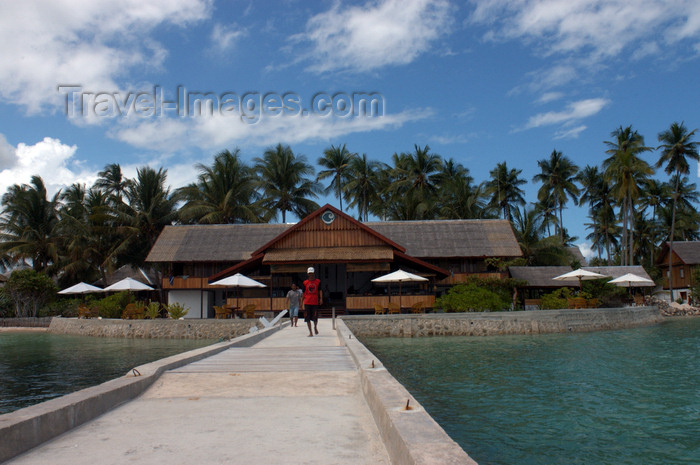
point(112, 181)
point(28, 225)
point(224, 193)
point(337, 161)
point(148, 209)
point(676, 147)
point(285, 187)
point(558, 175)
point(537, 250)
point(627, 172)
point(91, 237)
point(361, 188)
point(504, 189)
point(423, 170)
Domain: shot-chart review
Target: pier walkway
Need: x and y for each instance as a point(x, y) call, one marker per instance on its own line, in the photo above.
point(288, 399)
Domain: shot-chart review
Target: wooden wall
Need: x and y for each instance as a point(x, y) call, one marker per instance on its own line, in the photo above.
point(316, 233)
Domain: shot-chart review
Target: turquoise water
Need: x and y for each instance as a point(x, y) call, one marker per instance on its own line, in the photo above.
point(608, 398)
point(35, 367)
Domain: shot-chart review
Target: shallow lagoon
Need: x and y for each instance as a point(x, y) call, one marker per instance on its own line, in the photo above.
point(607, 398)
point(35, 367)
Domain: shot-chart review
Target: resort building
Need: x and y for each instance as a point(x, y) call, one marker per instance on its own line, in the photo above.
point(686, 256)
point(345, 253)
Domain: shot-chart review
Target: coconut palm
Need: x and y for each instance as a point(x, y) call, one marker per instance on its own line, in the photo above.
point(504, 189)
point(627, 172)
point(29, 226)
point(112, 181)
point(558, 176)
point(337, 162)
point(148, 209)
point(91, 237)
point(361, 188)
point(284, 182)
point(224, 193)
point(676, 148)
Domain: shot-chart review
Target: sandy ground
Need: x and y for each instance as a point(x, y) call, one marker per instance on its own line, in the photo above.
point(19, 329)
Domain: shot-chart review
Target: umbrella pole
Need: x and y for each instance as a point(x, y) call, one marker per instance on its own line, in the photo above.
point(399, 296)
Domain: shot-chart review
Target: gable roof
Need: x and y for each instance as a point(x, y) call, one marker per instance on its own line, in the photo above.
point(314, 221)
point(541, 276)
point(578, 256)
point(687, 251)
point(452, 238)
point(422, 239)
point(212, 243)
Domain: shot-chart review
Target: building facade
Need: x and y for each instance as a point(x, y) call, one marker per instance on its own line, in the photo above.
point(346, 254)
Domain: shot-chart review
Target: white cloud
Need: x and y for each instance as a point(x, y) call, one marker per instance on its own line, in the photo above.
point(573, 112)
point(50, 159)
point(215, 132)
point(8, 154)
point(586, 250)
point(550, 97)
point(377, 34)
point(92, 43)
point(224, 38)
point(570, 133)
point(596, 28)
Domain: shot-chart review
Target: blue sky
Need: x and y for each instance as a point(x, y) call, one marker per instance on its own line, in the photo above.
point(480, 82)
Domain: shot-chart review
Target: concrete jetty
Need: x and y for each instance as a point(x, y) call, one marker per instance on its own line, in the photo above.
point(288, 398)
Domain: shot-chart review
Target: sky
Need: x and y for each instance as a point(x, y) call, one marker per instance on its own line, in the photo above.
point(85, 83)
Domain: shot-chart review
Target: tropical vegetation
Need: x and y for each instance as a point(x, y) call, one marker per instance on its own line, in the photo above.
point(84, 232)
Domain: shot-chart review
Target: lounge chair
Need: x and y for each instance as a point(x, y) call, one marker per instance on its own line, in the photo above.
point(417, 307)
point(379, 310)
point(394, 308)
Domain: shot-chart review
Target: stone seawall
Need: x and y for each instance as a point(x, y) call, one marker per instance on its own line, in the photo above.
point(497, 323)
point(153, 329)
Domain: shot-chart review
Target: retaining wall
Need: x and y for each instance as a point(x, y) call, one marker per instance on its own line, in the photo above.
point(154, 329)
point(497, 323)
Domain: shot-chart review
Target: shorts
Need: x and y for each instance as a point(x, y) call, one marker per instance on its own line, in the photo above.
point(293, 312)
point(311, 313)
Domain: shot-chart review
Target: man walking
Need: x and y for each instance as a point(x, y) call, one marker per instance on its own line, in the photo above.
point(313, 297)
point(293, 299)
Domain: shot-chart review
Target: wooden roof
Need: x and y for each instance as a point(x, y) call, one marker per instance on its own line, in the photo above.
point(578, 256)
point(452, 238)
point(541, 276)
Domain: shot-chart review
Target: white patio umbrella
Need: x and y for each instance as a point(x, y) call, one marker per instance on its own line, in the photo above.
point(579, 275)
point(238, 280)
point(128, 284)
point(399, 276)
point(632, 280)
point(81, 288)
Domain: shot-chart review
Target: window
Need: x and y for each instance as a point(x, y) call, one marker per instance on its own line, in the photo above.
point(682, 273)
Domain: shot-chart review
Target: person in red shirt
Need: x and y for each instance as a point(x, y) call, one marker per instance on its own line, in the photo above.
point(313, 298)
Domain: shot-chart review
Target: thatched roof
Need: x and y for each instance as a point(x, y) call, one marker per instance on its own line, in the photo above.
point(212, 243)
point(617, 271)
point(422, 239)
point(452, 238)
point(687, 251)
point(578, 256)
point(541, 276)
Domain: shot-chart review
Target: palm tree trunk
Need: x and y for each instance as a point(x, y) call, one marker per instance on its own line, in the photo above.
point(670, 241)
point(631, 219)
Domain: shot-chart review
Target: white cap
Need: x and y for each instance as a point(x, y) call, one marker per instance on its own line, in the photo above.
point(310, 270)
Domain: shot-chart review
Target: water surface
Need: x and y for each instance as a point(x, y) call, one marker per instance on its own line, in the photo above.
point(35, 367)
point(617, 397)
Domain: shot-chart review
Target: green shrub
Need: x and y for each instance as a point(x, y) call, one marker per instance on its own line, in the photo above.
point(556, 299)
point(113, 305)
point(470, 297)
point(177, 311)
point(153, 310)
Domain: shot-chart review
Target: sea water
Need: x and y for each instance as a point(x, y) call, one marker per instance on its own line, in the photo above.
point(35, 367)
point(626, 397)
